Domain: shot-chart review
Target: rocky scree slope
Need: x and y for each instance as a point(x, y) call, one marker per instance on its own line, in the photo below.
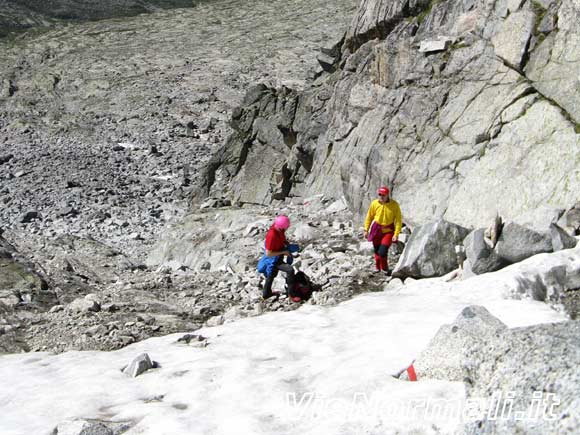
point(103, 129)
point(23, 14)
point(91, 296)
point(444, 101)
point(105, 125)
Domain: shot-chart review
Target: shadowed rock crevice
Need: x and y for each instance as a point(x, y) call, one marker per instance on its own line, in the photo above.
point(376, 20)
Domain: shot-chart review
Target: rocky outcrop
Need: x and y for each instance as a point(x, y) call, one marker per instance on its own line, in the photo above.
point(263, 137)
point(461, 131)
point(20, 280)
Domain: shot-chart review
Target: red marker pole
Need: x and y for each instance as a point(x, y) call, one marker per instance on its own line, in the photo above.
point(411, 373)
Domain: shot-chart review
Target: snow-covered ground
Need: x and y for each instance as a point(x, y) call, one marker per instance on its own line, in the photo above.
point(316, 370)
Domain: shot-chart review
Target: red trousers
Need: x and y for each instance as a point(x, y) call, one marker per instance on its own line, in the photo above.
point(381, 244)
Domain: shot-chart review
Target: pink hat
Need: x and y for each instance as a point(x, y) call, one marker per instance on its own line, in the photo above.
point(281, 222)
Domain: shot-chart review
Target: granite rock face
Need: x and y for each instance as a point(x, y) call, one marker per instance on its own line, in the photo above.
point(484, 125)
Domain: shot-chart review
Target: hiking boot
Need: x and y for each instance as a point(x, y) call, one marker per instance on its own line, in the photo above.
point(387, 272)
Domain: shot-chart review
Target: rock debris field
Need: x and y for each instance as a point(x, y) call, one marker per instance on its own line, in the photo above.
point(104, 129)
point(104, 126)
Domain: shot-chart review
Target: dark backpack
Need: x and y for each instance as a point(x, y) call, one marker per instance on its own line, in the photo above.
point(303, 288)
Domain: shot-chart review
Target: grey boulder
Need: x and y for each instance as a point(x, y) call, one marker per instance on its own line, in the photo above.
point(90, 427)
point(431, 251)
point(531, 363)
point(561, 239)
point(480, 257)
point(517, 243)
point(82, 427)
point(84, 305)
point(444, 357)
point(139, 365)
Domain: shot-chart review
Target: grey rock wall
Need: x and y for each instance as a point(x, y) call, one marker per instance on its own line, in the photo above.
point(485, 122)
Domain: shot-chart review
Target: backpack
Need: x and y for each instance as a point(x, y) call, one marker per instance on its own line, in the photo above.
point(303, 288)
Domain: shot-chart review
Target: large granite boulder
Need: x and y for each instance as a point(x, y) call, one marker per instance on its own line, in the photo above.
point(481, 258)
point(430, 250)
point(517, 243)
point(445, 355)
point(533, 372)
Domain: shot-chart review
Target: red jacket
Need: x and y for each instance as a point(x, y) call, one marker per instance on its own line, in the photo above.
point(275, 240)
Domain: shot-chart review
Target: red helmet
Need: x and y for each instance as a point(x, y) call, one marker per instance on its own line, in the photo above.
point(281, 222)
point(383, 191)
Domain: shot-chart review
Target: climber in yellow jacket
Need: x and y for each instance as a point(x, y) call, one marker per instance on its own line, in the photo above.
point(382, 227)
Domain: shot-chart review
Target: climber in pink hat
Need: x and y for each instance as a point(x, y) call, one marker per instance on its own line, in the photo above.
point(384, 221)
point(275, 249)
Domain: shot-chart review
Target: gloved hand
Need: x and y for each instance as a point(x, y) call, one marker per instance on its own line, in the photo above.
point(293, 247)
point(289, 259)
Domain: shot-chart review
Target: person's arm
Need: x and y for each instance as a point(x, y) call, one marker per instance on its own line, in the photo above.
point(398, 223)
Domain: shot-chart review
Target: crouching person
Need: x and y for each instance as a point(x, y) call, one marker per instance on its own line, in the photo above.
point(276, 249)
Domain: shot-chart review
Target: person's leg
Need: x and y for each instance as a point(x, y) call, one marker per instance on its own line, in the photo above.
point(290, 278)
point(383, 250)
point(267, 290)
point(376, 245)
